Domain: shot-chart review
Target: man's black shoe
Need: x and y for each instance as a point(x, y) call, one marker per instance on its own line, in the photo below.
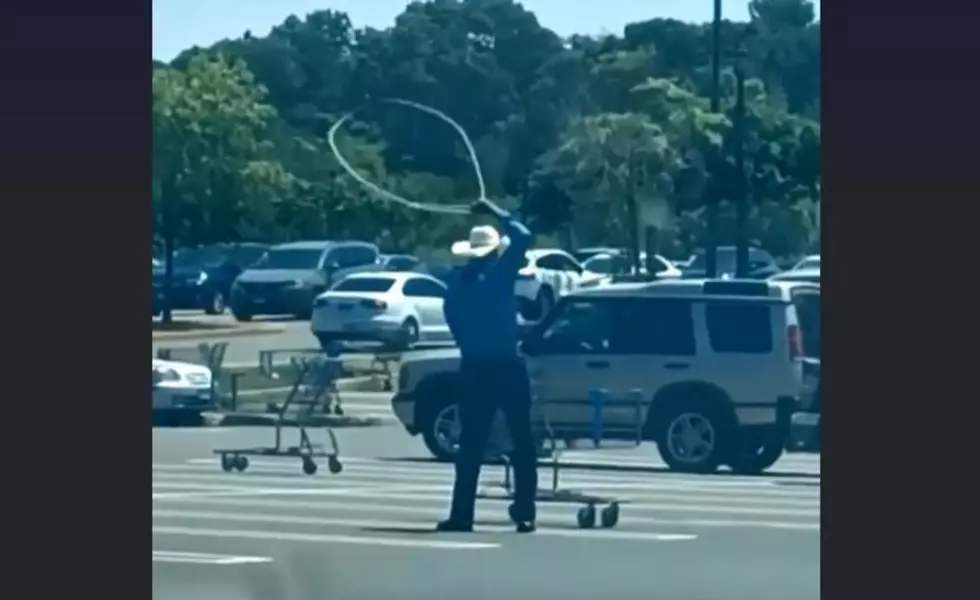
point(524, 525)
point(451, 526)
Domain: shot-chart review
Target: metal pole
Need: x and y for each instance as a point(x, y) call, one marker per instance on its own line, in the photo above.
point(742, 203)
point(711, 237)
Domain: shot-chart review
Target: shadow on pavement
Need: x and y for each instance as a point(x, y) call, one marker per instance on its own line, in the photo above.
point(631, 468)
point(173, 420)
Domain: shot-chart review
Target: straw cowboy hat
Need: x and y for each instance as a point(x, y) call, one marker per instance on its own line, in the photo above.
point(484, 240)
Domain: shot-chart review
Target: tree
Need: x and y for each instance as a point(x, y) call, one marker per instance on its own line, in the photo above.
point(208, 153)
point(554, 121)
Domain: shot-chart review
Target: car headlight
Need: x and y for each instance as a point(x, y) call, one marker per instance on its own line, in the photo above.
point(161, 375)
point(202, 278)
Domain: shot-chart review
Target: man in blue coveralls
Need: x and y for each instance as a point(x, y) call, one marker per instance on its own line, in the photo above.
point(481, 311)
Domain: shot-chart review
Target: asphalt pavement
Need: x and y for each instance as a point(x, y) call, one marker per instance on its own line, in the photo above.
point(273, 532)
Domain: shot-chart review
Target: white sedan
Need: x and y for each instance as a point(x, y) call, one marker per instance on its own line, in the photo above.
point(547, 274)
point(606, 265)
point(395, 308)
point(181, 389)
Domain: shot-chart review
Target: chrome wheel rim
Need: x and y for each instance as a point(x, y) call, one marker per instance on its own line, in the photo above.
point(691, 438)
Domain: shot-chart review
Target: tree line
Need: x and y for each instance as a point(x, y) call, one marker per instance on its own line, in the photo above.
point(568, 130)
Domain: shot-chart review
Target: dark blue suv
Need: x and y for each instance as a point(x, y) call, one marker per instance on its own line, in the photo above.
point(203, 275)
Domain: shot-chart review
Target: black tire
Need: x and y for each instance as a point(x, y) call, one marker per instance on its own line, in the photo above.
point(216, 304)
point(242, 317)
point(326, 342)
point(755, 455)
point(408, 335)
point(708, 458)
point(432, 433)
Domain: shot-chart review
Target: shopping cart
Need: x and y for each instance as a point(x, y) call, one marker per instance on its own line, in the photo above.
point(625, 430)
point(313, 392)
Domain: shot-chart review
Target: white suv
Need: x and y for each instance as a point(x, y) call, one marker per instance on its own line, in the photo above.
point(718, 365)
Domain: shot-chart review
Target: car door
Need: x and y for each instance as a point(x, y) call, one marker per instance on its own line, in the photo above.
point(571, 272)
point(568, 356)
point(426, 296)
point(653, 345)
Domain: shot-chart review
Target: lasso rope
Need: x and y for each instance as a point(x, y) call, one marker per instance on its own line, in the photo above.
point(449, 209)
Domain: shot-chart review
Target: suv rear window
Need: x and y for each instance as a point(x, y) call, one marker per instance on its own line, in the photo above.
point(739, 328)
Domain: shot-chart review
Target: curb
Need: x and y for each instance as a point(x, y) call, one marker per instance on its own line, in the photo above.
point(263, 420)
point(217, 332)
point(359, 383)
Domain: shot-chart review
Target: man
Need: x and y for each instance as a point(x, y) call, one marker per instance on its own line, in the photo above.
point(481, 311)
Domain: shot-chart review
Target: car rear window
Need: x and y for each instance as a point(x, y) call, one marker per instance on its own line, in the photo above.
point(739, 328)
point(364, 284)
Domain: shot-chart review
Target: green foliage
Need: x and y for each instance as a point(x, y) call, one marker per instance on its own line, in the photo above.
point(577, 132)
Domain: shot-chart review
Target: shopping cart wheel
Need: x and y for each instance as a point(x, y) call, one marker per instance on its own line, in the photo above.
point(309, 467)
point(241, 463)
point(609, 515)
point(227, 463)
point(333, 463)
point(586, 516)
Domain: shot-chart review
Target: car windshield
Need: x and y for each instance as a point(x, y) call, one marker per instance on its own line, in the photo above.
point(601, 264)
point(364, 284)
point(811, 262)
point(199, 257)
point(400, 263)
point(290, 258)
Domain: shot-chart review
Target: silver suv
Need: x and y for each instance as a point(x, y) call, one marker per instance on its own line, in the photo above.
point(718, 365)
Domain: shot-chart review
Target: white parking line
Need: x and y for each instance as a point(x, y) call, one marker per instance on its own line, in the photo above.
point(320, 538)
point(404, 525)
point(203, 558)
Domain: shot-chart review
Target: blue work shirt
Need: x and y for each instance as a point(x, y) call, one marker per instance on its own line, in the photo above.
point(481, 307)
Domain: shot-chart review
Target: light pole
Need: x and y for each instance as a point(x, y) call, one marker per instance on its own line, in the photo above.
point(711, 237)
point(741, 199)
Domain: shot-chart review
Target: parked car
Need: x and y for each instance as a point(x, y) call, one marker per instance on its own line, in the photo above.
point(808, 262)
point(584, 254)
point(180, 390)
point(718, 363)
point(547, 274)
point(395, 308)
point(400, 262)
point(608, 265)
point(804, 429)
point(202, 276)
point(289, 276)
point(806, 274)
point(761, 263)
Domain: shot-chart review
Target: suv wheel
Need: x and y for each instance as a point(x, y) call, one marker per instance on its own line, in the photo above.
point(692, 440)
point(215, 304)
point(756, 456)
point(441, 431)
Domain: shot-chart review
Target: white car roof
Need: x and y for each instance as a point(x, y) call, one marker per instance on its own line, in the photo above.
point(397, 276)
point(536, 253)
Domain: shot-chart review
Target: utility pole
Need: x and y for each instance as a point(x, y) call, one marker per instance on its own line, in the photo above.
point(741, 201)
point(711, 237)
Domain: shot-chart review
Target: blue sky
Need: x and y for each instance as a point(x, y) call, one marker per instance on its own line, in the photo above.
point(180, 24)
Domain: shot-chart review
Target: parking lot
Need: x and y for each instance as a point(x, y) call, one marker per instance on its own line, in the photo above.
point(274, 532)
